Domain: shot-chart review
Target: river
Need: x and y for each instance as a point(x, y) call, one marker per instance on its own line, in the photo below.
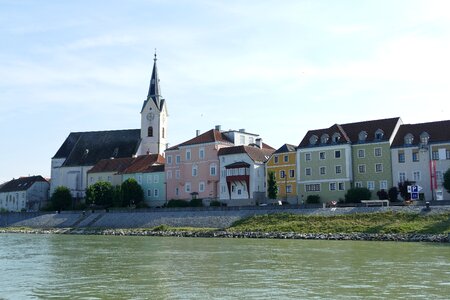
point(115, 267)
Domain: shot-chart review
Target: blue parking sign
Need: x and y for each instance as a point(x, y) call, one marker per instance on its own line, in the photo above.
point(414, 189)
point(414, 196)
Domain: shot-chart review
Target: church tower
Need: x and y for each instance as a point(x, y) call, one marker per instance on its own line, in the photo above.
point(153, 119)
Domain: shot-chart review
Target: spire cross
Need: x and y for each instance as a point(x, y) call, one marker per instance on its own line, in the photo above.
point(155, 55)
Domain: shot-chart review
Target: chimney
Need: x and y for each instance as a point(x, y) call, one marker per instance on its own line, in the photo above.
point(242, 130)
point(197, 132)
point(259, 142)
point(218, 127)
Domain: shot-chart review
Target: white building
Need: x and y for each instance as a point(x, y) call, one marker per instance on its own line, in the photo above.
point(24, 194)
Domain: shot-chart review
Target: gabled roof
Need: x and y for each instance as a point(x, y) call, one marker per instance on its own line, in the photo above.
point(344, 139)
point(255, 153)
point(210, 136)
point(115, 165)
point(286, 148)
point(21, 184)
point(438, 132)
point(87, 148)
point(145, 164)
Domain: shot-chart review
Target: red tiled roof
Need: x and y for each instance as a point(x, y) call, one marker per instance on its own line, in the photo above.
point(111, 165)
point(145, 164)
point(210, 136)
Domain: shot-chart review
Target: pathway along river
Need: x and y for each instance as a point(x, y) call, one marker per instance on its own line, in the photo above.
point(124, 267)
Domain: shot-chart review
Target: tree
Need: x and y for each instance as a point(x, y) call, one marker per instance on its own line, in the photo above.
point(132, 193)
point(61, 198)
point(272, 189)
point(355, 195)
point(447, 180)
point(100, 193)
point(393, 193)
point(117, 196)
point(403, 189)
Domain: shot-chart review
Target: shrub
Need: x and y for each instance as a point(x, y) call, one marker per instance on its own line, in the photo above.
point(132, 192)
point(393, 194)
point(382, 195)
point(447, 180)
point(272, 189)
point(177, 203)
point(215, 203)
point(100, 193)
point(313, 199)
point(403, 189)
point(196, 203)
point(355, 195)
point(61, 198)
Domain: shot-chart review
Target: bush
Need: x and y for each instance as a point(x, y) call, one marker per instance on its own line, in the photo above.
point(313, 199)
point(215, 203)
point(355, 195)
point(393, 194)
point(196, 203)
point(382, 195)
point(177, 203)
point(132, 193)
point(61, 198)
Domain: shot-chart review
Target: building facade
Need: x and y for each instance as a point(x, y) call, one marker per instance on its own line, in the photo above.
point(24, 194)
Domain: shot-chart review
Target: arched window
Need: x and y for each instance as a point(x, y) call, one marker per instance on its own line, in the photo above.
point(362, 136)
point(150, 131)
point(313, 139)
point(408, 139)
point(379, 134)
point(324, 138)
point(336, 137)
point(424, 137)
point(163, 132)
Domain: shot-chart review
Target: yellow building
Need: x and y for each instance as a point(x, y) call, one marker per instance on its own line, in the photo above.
point(283, 164)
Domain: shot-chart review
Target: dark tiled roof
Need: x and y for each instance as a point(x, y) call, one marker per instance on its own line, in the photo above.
point(255, 153)
point(112, 165)
point(145, 164)
point(319, 132)
point(21, 184)
point(87, 148)
point(286, 148)
point(438, 131)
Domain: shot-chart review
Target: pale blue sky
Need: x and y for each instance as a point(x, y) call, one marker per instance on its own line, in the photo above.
point(277, 68)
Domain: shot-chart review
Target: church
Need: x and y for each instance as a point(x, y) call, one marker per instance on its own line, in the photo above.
point(82, 150)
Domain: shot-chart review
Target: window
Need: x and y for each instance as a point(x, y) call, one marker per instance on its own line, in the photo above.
point(383, 185)
point(337, 154)
point(371, 185)
point(292, 173)
point(362, 136)
point(188, 154)
point(187, 187)
point(435, 155)
point(282, 174)
point(149, 193)
point(401, 176)
point(139, 179)
point(212, 169)
point(401, 156)
point(313, 139)
point(307, 156)
point(155, 179)
point(408, 139)
point(341, 186)
point(242, 139)
point(323, 170)
point(338, 169)
point(201, 153)
point(177, 159)
point(361, 153)
point(415, 156)
point(201, 187)
point(177, 174)
point(324, 138)
point(288, 189)
point(308, 171)
point(336, 137)
point(194, 170)
point(223, 189)
point(416, 176)
point(156, 192)
point(379, 168)
point(177, 191)
point(149, 179)
point(379, 134)
point(150, 131)
point(439, 177)
point(169, 159)
point(332, 186)
point(251, 140)
point(169, 174)
point(285, 158)
point(424, 137)
point(163, 133)
point(321, 155)
point(447, 154)
point(275, 159)
point(362, 169)
point(377, 152)
point(312, 187)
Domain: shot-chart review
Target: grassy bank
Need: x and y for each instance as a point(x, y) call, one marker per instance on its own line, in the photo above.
point(386, 222)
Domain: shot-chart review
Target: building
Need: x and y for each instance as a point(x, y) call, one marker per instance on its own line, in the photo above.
point(24, 194)
point(148, 171)
point(82, 150)
point(283, 164)
point(331, 161)
point(242, 174)
point(109, 170)
point(421, 154)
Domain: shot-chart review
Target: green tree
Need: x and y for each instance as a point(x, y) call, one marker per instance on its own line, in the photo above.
point(132, 193)
point(403, 189)
point(393, 194)
point(61, 198)
point(272, 189)
point(355, 195)
point(117, 196)
point(100, 193)
point(447, 180)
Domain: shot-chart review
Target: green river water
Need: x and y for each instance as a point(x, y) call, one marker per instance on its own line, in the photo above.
point(113, 267)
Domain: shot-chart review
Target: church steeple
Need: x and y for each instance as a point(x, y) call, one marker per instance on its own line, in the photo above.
point(154, 91)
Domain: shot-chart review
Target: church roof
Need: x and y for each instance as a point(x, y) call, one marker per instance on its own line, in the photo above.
point(87, 148)
point(20, 184)
point(154, 90)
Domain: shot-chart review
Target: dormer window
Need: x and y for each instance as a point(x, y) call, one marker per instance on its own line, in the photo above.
point(336, 137)
point(313, 139)
point(409, 139)
point(379, 134)
point(362, 136)
point(424, 137)
point(324, 138)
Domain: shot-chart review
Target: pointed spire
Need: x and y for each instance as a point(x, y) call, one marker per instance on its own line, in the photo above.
point(154, 90)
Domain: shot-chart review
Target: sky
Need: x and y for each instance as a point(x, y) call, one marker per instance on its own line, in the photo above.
point(274, 68)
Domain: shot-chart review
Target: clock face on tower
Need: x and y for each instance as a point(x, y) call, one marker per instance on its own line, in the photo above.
point(150, 116)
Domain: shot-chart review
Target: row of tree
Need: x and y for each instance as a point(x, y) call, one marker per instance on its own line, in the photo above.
point(104, 194)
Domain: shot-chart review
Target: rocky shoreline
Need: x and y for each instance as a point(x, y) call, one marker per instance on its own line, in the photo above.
point(393, 237)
